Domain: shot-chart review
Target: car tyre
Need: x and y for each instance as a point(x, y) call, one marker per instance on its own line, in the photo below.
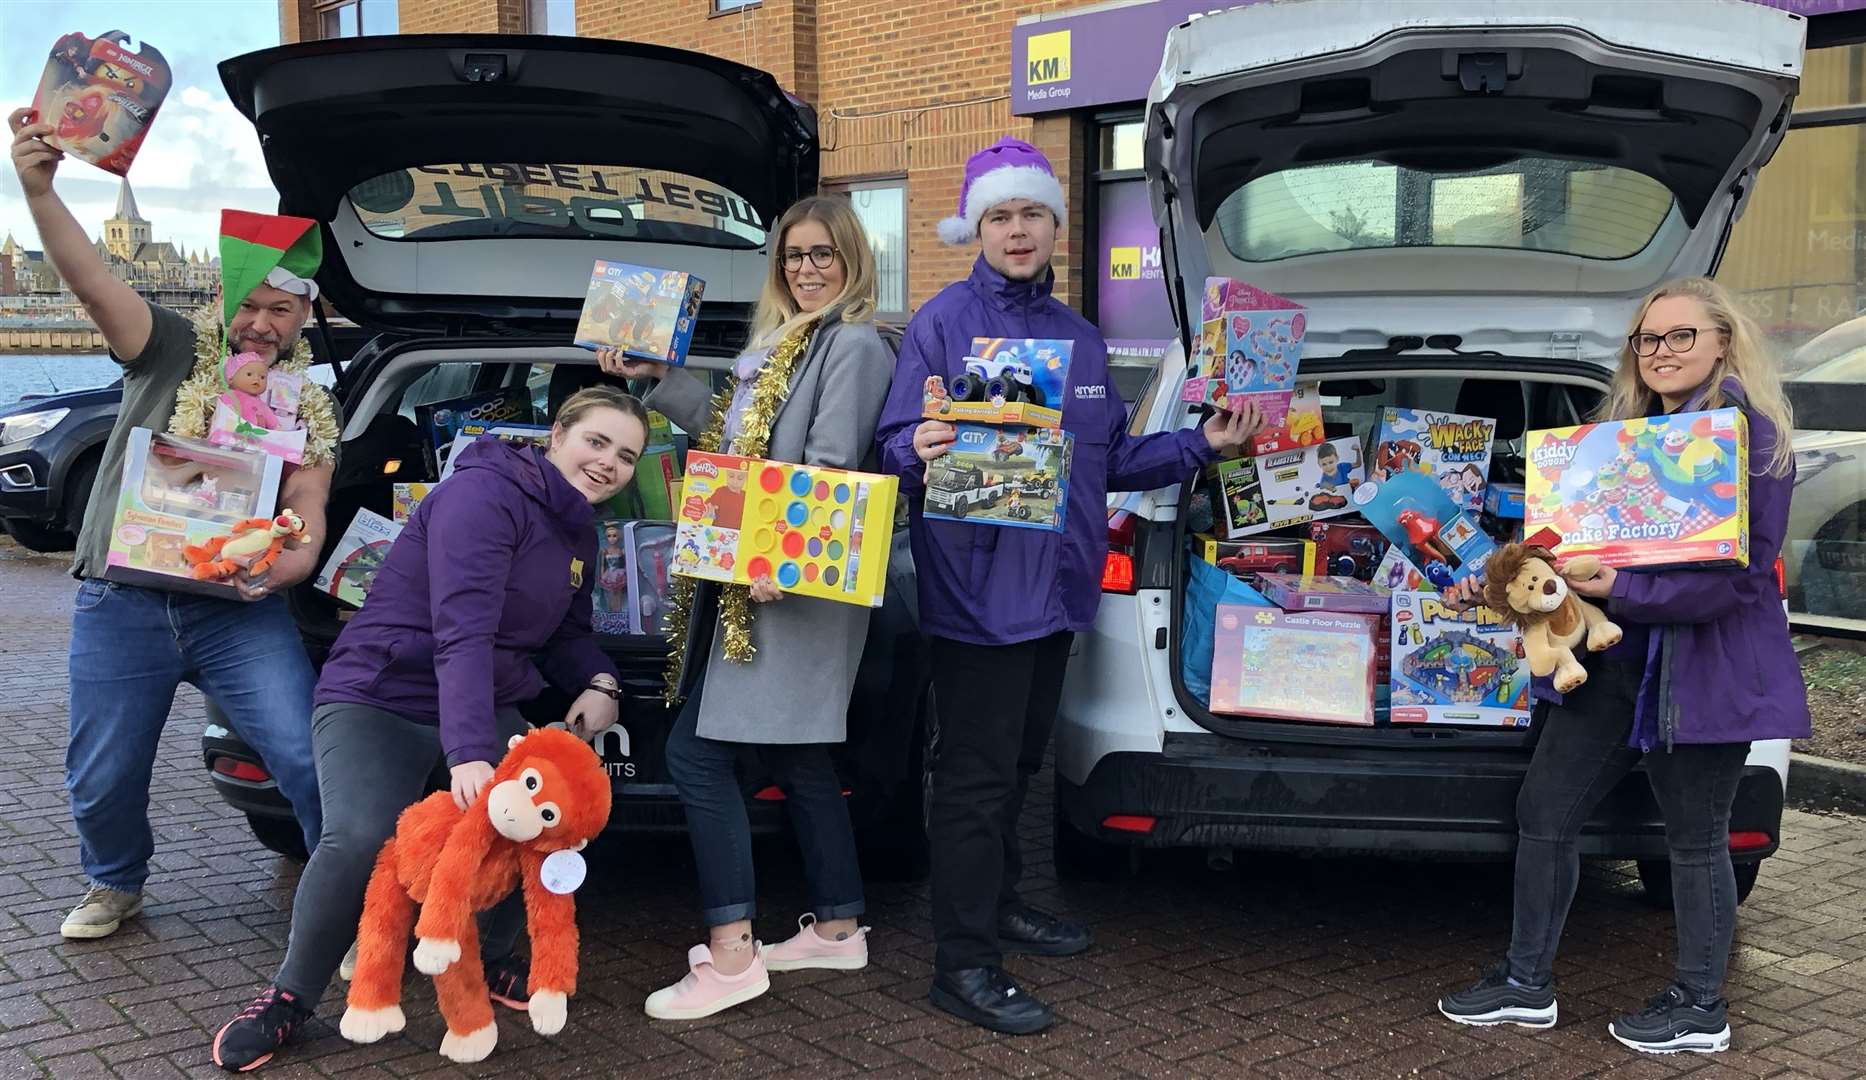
point(1655, 878)
point(281, 835)
point(44, 539)
point(1084, 858)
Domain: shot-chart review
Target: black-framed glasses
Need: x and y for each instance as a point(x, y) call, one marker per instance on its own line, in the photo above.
point(1679, 340)
point(820, 257)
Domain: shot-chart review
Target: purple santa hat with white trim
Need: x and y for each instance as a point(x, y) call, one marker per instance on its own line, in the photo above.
point(1007, 169)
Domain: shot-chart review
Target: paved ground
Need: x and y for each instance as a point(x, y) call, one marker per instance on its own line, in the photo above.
point(1282, 967)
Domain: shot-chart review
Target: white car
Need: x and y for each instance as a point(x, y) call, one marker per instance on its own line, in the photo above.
point(1469, 198)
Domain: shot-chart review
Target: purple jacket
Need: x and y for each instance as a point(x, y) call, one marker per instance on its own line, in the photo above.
point(495, 566)
point(993, 585)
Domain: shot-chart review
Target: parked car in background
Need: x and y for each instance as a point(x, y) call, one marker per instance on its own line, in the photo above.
point(49, 450)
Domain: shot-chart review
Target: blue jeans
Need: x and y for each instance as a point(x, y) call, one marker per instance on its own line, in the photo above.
point(131, 649)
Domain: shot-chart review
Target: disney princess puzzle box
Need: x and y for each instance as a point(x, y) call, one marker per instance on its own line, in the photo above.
point(1653, 491)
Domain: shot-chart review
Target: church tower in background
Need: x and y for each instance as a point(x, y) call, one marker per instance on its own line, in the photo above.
point(125, 231)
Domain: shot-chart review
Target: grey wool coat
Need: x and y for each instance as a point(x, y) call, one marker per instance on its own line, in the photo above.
point(796, 688)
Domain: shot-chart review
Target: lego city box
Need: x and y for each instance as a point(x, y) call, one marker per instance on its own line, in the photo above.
point(1452, 449)
point(178, 492)
point(646, 313)
point(1012, 476)
point(100, 97)
point(1415, 513)
point(1319, 666)
point(1654, 491)
point(1263, 493)
point(1020, 381)
point(1452, 667)
point(1249, 348)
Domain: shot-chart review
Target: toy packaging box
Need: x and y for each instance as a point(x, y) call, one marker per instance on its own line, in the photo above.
point(1249, 347)
point(404, 498)
point(609, 598)
point(1268, 555)
point(1657, 491)
point(1412, 511)
point(1396, 573)
point(1269, 492)
point(1310, 665)
point(649, 495)
point(814, 531)
point(648, 314)
point(1452, 449)
point(441, 422)
point(1301, 426)
point(531, 434)
point(1014, 476)
point(1006, 381)
point(350, 571)
point(178, 492)
point(1347, 548)
point(1300, 592)
point(650, 558)
point(268, 424)
point(1504, 502)
point(1455, 667)
point(100, 97)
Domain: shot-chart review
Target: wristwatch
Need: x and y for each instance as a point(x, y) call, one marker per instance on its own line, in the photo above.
point(606, 687)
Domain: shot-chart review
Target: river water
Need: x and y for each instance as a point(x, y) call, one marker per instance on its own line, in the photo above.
point(51, 373)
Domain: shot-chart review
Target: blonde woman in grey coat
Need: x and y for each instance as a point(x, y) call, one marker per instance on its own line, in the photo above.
point(791, 698)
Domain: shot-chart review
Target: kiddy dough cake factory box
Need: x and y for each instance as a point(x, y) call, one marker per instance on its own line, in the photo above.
point(1655, 491)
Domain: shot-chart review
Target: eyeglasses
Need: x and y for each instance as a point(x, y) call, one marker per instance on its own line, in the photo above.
point(820, 257)
point(1679, 340)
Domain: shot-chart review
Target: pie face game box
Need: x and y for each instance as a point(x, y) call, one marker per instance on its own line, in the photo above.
point(1655, 491)
point(1249, 347)
point(1309, 665)
point(648, 314)
point(1453, 667)
point(100, 97)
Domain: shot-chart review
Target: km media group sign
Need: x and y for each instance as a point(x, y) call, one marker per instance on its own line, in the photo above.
point(1094, 58)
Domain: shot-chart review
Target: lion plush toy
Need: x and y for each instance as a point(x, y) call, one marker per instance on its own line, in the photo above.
point(545, 801)
point(1520, 583)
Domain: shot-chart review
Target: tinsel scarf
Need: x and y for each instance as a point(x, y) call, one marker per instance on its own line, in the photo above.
point(195, 400)
point(754, 439)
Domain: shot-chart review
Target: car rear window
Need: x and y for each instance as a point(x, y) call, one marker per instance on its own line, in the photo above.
point(1531, 204)
point(479, 200)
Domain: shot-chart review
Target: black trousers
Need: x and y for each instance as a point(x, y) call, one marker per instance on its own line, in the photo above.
point(995, 707)
point(1582, 754)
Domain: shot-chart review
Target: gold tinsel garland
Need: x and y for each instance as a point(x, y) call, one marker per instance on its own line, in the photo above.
point(195, 400)
point(754, 439)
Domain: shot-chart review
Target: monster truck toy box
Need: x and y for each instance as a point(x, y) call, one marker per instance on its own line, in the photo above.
point(1010, 475)
point(178, 492)
point(1004, 381)
point(1654, 492)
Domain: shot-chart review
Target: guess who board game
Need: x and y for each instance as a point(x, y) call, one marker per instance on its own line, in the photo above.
point(1259, 494)
point(1249, 347)
point(1456, 668)
point(648, 314)
point(1310, 665)
point(814, 531)
point(1452, 449)
point(1658, 491)
point(100, 97)
point(1015, 476)
point(1004, 381)
point(1412, 511)
point(178, 492)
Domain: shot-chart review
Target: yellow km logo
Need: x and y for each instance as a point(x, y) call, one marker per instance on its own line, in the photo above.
point(1046, 58)
point(1124, 264)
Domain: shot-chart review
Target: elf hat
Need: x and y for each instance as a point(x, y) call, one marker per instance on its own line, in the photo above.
point(266, 249)
point(1007, 169)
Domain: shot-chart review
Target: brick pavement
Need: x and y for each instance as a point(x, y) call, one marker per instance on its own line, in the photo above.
point(1282, 968)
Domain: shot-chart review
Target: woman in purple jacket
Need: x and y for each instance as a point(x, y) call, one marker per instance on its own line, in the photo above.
point(1705, 668)
point(495, 568)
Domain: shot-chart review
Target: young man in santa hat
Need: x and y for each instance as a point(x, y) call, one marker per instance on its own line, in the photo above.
point(1000, 605)
point(132, 647)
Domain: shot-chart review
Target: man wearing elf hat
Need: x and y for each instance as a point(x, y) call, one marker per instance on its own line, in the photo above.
point(1000, 605)
point(132, 647)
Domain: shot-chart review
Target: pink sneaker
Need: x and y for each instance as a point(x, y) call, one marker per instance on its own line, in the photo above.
point(810, 949)
point(703, 991)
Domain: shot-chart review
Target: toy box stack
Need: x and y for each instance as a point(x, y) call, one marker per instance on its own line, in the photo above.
point(441, 422)
point(1263, 493)
point(648, 314)
point(350, 571)
point(1249, 347)
point(1654, 492)
point(1012, 475)
point(1412, 511)
point(178, 493)
point(814, 531)
point(1313, 665)
point(1455, 667)
point(1452, 449)
point(100, 97)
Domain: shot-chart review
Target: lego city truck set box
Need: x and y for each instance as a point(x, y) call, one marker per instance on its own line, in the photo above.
point(646, 313)
point(1653, 491)
point(1013, 475)
point(1005, 381)
point(180, 494)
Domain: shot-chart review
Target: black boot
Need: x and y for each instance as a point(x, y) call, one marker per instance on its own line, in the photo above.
point(991, 999)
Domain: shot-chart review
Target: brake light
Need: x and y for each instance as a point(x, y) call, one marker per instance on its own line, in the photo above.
point(1134, 823)
point(1117, 569)
point(236, 769)
point(1781, 577)
point(1749, 841)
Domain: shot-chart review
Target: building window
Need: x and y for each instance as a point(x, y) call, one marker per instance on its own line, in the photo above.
point(551, 17)
point(1122, 144)
point(1797, 259)
point(725, 7)
point(881, 206)
point(354, 18)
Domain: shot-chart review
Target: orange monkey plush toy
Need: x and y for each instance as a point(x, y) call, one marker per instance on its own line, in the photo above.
point(547, 798)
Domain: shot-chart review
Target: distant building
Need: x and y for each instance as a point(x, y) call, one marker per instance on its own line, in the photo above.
point(156, 269)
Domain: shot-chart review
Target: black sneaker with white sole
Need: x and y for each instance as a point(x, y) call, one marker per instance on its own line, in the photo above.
point(1496, 1000)
point(1674, 1023)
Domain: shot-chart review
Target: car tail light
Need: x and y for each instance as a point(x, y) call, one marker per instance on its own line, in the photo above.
point(1749, 841)
point(1134, 823)
point(236, 769)
point(773, 793)
point(1781, 577)
point(1117, 570)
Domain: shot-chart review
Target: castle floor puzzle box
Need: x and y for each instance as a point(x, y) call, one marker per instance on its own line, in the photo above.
point(1249, 347)
point(1263, 493)
point(1310, 665)
point(1015, 476)
point(1412, 511)
point(100, 97)
point(1657, 491)
point(1454, 667)
point(1005, 381)
point(648, 314)
point(177, 492)
point(1452, 449)
point(814, 531)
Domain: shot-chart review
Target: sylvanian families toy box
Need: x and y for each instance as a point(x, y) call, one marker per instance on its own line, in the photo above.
point(648, 314)
point(177, 492)
point(1452, 667)
point(1655, 491)
point(1309, 665)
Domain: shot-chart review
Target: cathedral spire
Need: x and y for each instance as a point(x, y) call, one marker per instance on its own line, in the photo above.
point(126, 203)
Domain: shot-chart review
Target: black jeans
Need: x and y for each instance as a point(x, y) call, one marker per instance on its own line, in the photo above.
point(996, 706)
point(1581, 756)
point(706, 773)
